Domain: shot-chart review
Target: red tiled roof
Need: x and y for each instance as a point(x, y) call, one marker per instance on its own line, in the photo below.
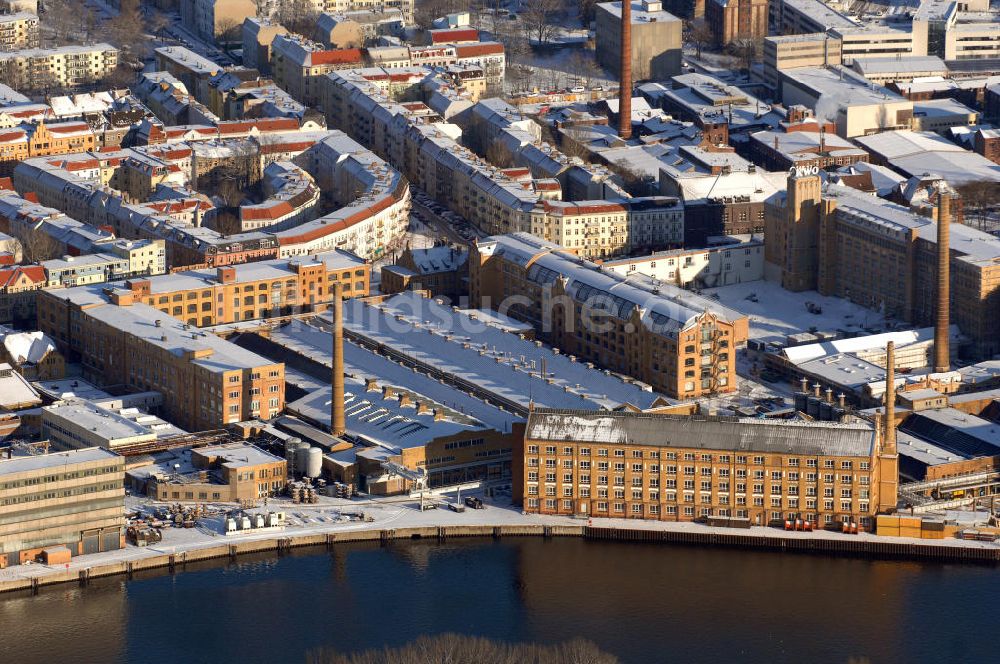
point(452, 35)
point(35, 273)
point(68, 127)
point(15, 135)
point(336, 56)
point(571, 209)
point(258, 212)
point(291, 146)
point(6, 184)
point(476, 50)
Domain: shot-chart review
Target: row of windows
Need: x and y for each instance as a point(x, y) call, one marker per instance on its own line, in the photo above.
point(693, 456)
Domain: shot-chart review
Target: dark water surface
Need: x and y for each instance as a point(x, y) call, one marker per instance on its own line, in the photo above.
point(643, 603)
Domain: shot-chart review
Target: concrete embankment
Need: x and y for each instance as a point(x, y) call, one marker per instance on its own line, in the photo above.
point(863, 548)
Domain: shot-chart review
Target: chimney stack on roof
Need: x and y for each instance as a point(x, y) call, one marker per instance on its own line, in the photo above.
point(889, 437)
point(625, 82)
point(338, 424)
point(942, 356)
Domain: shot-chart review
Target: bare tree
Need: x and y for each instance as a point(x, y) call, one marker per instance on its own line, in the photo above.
point(499, 155)
point(37, 245)
point(587, 10)
point(747, 50)
point(127, 30)
point(584, 64)
point(980, 204)
point(700, 35)
point(227, 31)
point(635, 183)
point(12, 75)
point(298, 16)
point(460, 648)
point(539, 19)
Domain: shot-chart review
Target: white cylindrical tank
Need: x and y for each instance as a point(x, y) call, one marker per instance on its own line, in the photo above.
point(302, 459)
point(314, 462)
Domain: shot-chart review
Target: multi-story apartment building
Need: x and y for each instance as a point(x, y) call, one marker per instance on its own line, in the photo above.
point(679, 468)
point(405, 7)
point(678, 342)
point(206, 382)
point(18, 31)
point(729, 262)
point(212, 19)
point(73, 499)
point(656, 39)
point(258, 33)
point(17, 292)
point(364, 103)
point(373, 197)
point(299, 65)
point(207, 297)
point(41, 68)
point(730, 20)
point(191, 69)
point(44, 139)
point(841, 242)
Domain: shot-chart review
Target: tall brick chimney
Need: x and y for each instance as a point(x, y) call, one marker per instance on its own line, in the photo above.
point(942, 320)
point(337, 422)
point(625, 82)
point(889, 437)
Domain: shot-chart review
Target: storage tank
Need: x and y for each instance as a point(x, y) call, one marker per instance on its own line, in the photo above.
point(302, 459)
point(314, 462)
point(291, 445)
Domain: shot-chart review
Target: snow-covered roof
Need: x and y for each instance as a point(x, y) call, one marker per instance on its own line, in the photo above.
point(799, 354)
point(15, 391)
point(708, 433)
point(28, 347)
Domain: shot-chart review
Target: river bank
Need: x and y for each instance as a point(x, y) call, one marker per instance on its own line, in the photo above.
point(395, 522)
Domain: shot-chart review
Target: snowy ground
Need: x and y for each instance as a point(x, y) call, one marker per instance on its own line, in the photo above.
point(778, 312)
point(326, 517)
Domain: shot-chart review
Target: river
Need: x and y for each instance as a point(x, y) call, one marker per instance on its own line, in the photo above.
point(641, 602)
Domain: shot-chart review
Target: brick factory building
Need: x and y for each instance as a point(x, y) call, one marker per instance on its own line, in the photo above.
point(678, 468)
point(682, 344)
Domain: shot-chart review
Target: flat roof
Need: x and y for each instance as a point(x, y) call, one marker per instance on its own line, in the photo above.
point(737, 434)
point(101, 421)
point(504, 363)
point(845, 85)
point(238, 455)
point(176, 337)
point(54, 460)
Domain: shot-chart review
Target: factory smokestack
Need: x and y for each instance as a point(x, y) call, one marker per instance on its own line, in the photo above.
point(338, 425)
point(625, 82)
point(889, 439)
point(942, 321)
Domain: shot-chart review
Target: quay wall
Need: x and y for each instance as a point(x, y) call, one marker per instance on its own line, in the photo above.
point(859, 548)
